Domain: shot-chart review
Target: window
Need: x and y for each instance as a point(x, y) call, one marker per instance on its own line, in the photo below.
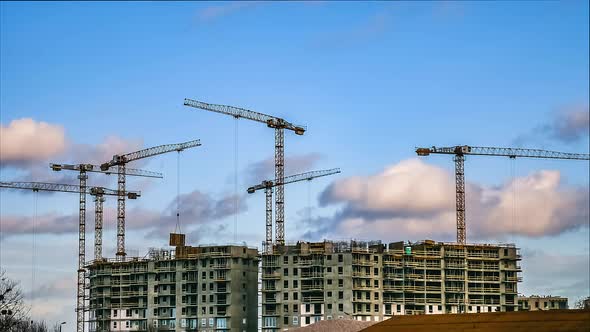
point(204, 275)
point(203, 322)
point(286, 320)
point(376, 296)
point(329, 294)
point(307, 320)
point(329, 306)
point(375, 283)
point(285, 307)
point(440, 308)
point(285, 296)
point(329, 257)
point(243, 286)
point(430, 309)
point(210, 310)
point(128, 313)
point(203, 298)
point(211, 286)
point(329, 281)
point(115, 324)
point(211, 299)
point(295, 271)
point(204, 286)
point(340, 258)
point(375, 258)
point(286, 272)
point(376, 271)
point(398, 308)
point(340, 282)
point(286, 284)
point(114, 313)
point(285, 261)
point(295, 320)
point(340, 295)
point(295, 284)
point(340, 307)
point(211, 322)
point(270, 322)
point(329, 269)
point(295, 308)
point(156, 312)
point(295, 296)
point(294, 259)
point(307, 308)
point(340, 270)
point(376, 308)
point(221, 322)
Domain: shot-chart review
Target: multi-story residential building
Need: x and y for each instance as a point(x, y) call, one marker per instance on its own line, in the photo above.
point(536, 302)
point(209, 288)
point(307, 282)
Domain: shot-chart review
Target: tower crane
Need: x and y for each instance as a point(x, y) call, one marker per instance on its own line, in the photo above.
point(82, 169)
point(121, 162)
point(267, 185)
point(279, 125)
point(461, 151)
point(70, 188)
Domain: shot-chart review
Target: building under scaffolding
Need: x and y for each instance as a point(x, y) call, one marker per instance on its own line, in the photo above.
point(208, 288)
point(307, 282)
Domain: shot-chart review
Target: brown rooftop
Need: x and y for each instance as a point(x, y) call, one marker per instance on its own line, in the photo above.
point(518, 321)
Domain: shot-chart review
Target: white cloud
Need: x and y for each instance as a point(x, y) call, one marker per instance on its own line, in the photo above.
point(416, 200)
point(25, 140)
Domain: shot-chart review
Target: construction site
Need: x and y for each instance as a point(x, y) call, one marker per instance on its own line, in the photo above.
point(282, 285)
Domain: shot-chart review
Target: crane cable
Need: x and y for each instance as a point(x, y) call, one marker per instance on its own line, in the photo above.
point(513, 180)
point(34, 250)
point(177, 229)
point(236, 197)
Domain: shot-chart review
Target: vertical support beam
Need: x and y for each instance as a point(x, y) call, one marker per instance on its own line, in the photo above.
point(279, 179)
point(121, 212)
point(98, 208)
point(460, 185)
point(81, 253)
point(268, 242)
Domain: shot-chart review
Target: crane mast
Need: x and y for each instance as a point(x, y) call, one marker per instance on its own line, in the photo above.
point(267, 185)
point(461, 151)
point(121, 162)
point(272, 122)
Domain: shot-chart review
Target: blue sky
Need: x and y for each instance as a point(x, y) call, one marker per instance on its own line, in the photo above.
point(370, 80)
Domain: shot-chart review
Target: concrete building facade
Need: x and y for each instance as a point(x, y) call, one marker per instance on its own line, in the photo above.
point(307, 282)
point(212, 288)
point(537, 302)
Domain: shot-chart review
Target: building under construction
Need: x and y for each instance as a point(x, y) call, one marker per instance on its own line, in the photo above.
point(370, 281)
point(208, 288)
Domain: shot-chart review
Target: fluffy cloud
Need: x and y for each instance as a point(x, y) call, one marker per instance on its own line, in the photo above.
point(24, 141)
point(415, 200)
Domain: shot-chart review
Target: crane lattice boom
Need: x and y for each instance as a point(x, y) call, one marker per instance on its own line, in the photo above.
point(294, 178)
point(502, 152)
point(460, 151)
point(238, 112)
point(68, 188)
point(149, 152)
point(96, 169)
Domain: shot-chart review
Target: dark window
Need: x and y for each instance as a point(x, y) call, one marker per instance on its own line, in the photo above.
point(285, 272)
point(285, 320)
point(295, 284)
point(285, 296)
point(340, 295)
point(307, 320)
point(295, 308)
point(203, 298)
point(295, 271)
point(376, 271)
point(340, 270)
point(285, 307)
point(210, 310)
point(285, 261)
point(307, 307)
point(295, 296)
point(340, 307)
point(340, 258)
point(286, 284)
point(376, 296)
point(375, 258)
point(340, 282)
point(329, 306)
point(329, 257)
point(329, 269)
point(329, 281)
point(329, 294)
point(376, 308)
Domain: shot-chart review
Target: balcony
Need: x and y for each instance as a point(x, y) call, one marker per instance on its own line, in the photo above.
point(454, 289)
point(312, 287)
point(312, 275)
point(392, 288)
point(362, 262)
point(312, 299)
point(271, 275)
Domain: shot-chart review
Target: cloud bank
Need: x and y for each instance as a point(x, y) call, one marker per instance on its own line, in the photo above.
point(415, 200)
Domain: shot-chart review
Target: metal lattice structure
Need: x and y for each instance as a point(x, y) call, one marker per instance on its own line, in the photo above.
point(272, 122)
point(461, 151)
point(83, 177)
point(121, 162)
point(267, 185)
point(82, 190)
